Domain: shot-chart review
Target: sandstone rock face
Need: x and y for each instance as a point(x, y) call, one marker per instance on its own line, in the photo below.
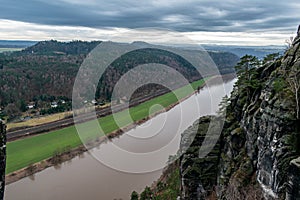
point(257, 156)
point(198, 174)
point(293, 186)
point(2, 158)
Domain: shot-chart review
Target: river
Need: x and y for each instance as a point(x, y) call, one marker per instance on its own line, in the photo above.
point(84, 177)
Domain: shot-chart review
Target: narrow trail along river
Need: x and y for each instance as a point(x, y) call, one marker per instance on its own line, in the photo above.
point(87, 178)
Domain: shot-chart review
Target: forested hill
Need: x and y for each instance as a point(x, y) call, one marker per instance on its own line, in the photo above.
point(47, 70)
point(53, 47)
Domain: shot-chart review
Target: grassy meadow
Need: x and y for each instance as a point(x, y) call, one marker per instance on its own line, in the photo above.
point(10, 49)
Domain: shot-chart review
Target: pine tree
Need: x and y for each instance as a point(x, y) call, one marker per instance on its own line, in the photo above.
point(146, 194)
point(270, 58)
point(246, 71)
point(134, 196)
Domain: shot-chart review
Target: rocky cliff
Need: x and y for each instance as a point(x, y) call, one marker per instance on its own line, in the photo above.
point(257, 155)
point(198, 175)
point(2, 158)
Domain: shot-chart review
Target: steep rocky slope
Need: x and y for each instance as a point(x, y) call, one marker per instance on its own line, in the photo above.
point(198, 175)
point(2, 158)
point(257, 155)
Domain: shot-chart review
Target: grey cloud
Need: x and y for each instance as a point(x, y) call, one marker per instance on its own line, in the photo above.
point(227, 15)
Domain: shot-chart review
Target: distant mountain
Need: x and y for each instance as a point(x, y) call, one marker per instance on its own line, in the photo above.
point(16, 43)
point(258, 51)
point(54, 47)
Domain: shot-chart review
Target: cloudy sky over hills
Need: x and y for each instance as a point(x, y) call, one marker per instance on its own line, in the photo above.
point(204, 21)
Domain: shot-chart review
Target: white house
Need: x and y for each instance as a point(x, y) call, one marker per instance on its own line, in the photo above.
point(94, 102)
point(30, 106)
point(54, 104)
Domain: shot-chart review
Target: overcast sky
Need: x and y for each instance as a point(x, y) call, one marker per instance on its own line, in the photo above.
point(252, 22)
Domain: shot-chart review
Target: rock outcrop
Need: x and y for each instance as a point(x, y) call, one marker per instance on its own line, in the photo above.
point(293, 186)
point(198, 175)
point(258, 153)
point(2, 158)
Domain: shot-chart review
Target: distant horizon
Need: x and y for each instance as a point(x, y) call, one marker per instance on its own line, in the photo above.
point(182, 44)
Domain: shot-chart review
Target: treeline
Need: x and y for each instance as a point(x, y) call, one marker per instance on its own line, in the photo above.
point(54, 47)
point(247, 72)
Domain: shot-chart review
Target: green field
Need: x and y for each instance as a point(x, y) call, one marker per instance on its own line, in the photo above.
point(24, 152)
point(10, 49)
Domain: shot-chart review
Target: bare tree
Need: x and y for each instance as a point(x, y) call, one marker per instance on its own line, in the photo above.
point(294, 82)
point(249, 192)
point(289, 42)
point(12, 111)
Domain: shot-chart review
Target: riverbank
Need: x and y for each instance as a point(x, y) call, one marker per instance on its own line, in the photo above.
point(74, 152)
point(71, 152)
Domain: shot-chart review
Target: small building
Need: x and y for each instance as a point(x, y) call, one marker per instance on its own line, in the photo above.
point(30, 106)
point(95, 102)
point(54, 104)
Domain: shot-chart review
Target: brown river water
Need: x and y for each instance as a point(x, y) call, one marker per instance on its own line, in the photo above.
point(85, 177)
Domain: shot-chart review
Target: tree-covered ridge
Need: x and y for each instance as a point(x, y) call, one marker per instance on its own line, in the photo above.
point(49, 68)
point(54, 47)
